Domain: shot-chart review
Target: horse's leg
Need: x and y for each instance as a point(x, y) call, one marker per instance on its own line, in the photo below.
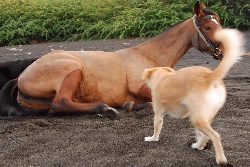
point(63, 103)
point(132, 106)
point(145, 93)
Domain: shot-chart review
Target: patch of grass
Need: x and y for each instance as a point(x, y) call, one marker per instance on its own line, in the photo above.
point(59, 20)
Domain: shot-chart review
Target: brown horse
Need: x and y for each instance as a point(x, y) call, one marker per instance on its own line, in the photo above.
point(96, 81)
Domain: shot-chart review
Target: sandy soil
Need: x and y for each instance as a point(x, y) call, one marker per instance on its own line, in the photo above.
point(89, 140)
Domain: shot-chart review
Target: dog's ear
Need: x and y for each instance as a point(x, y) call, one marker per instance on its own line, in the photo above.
point(168, 69)
point(147, 73)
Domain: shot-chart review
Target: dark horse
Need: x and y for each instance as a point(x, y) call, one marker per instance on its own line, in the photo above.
point(97, 81)
point(12, 69)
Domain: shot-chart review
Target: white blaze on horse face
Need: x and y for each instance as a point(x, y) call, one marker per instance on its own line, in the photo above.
point(215, 21)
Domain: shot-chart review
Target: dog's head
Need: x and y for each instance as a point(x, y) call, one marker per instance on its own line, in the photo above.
point(149, 74)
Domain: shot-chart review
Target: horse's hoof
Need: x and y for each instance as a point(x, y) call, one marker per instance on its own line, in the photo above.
point(110, 113)
point(225, 165)
point(128, 106)
point(106, 111)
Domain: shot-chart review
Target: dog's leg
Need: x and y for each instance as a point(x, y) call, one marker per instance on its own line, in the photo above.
point(158, 121)
point(201, 140)
point(204, 127)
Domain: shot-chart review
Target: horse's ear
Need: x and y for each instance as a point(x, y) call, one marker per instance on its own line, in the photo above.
point(202, 5)
point(198, 8)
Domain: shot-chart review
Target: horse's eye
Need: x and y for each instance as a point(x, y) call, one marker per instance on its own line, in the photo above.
point(207, 28)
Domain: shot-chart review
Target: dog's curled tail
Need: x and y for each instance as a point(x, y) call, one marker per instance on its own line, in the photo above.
point(233, 44)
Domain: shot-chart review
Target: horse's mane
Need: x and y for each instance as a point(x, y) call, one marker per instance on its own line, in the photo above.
point(210, 12)
point(204, 10)
point(168, 28)
point(175, 25)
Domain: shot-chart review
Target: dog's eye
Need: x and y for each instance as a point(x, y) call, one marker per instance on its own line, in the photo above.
point(207, 28)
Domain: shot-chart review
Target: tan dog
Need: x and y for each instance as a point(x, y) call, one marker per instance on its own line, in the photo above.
point(194, 92)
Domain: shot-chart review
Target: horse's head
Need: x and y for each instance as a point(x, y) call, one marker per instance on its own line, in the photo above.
point(206, 22)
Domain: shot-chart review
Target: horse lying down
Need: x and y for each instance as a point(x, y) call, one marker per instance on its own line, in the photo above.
point(12, 69)
point(195, 92)
point(97, 81)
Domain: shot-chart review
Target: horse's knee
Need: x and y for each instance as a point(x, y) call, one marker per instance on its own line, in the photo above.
point(59, 106)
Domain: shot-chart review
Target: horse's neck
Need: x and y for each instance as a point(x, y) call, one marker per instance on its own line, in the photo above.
point(168, 47)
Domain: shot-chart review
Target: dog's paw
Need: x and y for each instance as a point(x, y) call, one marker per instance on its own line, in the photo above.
point(197, 146)
point(150, 139)
point(222, 161)
point(225, 165)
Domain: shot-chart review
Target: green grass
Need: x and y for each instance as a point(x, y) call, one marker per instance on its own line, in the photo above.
point(65, 20)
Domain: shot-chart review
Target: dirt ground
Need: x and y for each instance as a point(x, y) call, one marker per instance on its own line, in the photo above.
point(89, 140)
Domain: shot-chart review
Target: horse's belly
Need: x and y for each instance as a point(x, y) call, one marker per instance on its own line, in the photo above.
point(114, 97)
point(34, 103)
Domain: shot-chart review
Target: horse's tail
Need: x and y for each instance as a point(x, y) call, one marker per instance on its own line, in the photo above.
point(233, 43)
point(8, 99)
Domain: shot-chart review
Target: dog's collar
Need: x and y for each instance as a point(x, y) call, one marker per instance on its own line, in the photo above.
point(217, 52)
